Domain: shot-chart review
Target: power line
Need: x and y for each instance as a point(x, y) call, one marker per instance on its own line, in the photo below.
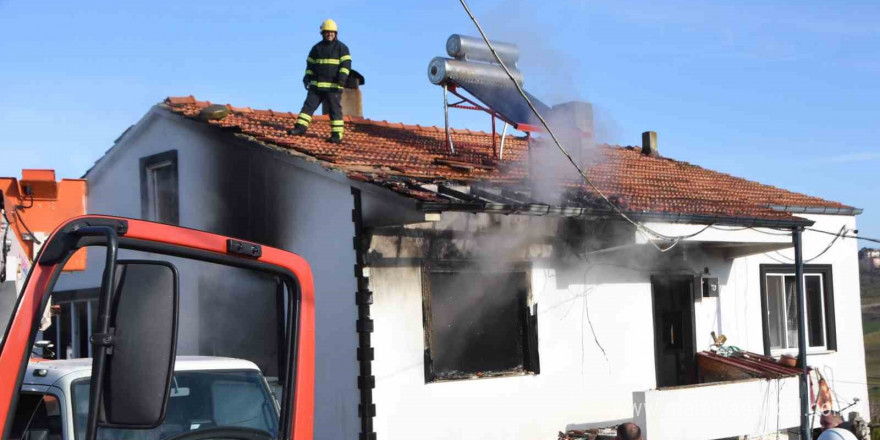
point(777, 261)
point(849, 382)
point(856, 237)
point(639, 226)
point(875, 240)
point(644, 229)
point(840, 233)
point(762, 231)
point(837, 235)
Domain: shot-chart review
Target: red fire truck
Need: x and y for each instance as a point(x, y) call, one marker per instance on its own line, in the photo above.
point(135, 337)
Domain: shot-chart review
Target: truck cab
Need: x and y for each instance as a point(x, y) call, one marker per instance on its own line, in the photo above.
point(206, 393)
point(137, 384)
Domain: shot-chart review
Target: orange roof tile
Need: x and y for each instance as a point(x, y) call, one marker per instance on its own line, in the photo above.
point(380, 152)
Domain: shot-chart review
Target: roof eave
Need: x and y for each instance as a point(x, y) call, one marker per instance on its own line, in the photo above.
point(827, 210)
point(643, 216)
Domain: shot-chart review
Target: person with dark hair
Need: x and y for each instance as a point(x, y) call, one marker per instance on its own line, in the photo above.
point(830, 420)
point(628, 431)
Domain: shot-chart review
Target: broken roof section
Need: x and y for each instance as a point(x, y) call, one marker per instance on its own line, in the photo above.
point(414, 161)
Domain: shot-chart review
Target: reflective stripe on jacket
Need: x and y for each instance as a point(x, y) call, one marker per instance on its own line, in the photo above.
point(328, 66)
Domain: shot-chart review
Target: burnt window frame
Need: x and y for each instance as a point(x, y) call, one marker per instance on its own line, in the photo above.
point(145, 164)
point(826, 270)
point(529, 322)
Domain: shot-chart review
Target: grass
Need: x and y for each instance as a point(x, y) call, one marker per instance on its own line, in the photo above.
point(870, 282)
point(872, 362)
point(870, 288)
point(872, 354)
point(870, 323)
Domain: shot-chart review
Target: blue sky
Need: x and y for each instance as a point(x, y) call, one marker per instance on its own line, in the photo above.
point(775, 92)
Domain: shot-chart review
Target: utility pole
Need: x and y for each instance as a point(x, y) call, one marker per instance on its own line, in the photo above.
point(802, 330)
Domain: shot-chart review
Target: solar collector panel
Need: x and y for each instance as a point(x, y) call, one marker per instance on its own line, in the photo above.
point(506, 101)
point(475, 71)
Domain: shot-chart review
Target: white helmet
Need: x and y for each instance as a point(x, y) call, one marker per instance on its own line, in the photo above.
point(837, 434)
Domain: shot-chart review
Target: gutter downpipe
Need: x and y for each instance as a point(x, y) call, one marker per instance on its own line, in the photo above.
point(366, 381)
point(802, 329)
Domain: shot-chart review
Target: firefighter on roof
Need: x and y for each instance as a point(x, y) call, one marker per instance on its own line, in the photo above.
point(327, 69)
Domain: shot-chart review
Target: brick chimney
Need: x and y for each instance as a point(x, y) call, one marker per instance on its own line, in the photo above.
point(352, 102)
point(649, 144)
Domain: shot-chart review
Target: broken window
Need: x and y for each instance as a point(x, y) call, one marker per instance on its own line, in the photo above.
point(780, 311)
point(478, 324)
point(159, 199)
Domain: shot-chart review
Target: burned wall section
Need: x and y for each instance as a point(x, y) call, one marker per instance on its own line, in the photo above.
point(253, 332)
point(558, 364)
point(234, 186)
point(264, 195)
point(477, 323)
point(488, 240)
point(114, 188)
point(219, 193)
point(476, 278)
point(248, 198)
point(595, 316)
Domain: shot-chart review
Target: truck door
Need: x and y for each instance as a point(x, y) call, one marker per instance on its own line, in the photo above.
point(277, 280)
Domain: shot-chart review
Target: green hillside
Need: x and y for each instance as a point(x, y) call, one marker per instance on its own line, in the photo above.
point(870, 287)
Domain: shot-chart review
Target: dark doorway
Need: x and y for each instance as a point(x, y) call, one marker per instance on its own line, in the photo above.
point(674, 345)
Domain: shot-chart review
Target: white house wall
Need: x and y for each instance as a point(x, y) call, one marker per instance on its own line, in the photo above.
point(740, 306)
point(595, 324)
point(579, 385)
point(751, 407)
point(601, 305)
point(230, 187)
point(844, 368)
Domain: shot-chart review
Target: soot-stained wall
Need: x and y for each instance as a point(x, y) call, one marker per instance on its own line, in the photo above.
point(596, 338)
point(233, 187)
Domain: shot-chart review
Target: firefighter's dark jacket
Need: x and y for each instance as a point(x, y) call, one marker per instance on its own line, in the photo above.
point(328, 66)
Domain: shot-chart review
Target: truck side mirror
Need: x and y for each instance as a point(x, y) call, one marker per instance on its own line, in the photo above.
point(141, 347)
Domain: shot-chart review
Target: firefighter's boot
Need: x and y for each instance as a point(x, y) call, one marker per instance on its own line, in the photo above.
point(298, 129)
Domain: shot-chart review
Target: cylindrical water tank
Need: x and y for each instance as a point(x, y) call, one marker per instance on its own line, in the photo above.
point(467, 48)
point(442, 69)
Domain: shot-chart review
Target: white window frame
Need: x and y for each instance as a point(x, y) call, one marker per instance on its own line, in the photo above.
point(153, 187)
point(788, 349)
point(151, 202)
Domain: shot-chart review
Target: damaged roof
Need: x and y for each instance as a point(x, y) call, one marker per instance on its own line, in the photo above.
point(414, 160)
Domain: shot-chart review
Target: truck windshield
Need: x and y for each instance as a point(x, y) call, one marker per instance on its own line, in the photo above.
point(199, 400)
